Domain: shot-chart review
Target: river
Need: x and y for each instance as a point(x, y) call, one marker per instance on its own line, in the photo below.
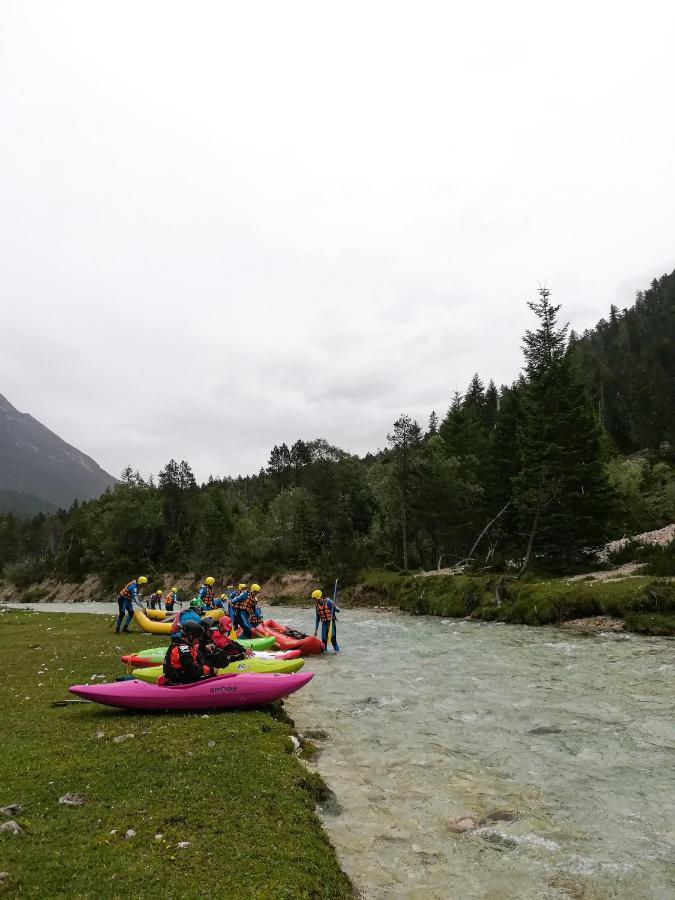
point(566, 740)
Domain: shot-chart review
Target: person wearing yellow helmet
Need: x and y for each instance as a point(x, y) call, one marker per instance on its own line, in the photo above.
point(205, 592)
point(125, 603)
point(256, 616)
point(170, 599)
point(325, 616)
point(156, 600)
point(243, 606)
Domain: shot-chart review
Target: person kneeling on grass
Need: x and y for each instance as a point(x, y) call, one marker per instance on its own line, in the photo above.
point(325, 615)
point(184, 662)
point(217, 647)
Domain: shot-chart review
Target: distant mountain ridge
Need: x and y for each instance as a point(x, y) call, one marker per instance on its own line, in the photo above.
point(35, 461)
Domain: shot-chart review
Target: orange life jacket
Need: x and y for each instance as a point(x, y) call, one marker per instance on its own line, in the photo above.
point(126, 593)
point(170, 598)
point(247, 603)
point(323, 610)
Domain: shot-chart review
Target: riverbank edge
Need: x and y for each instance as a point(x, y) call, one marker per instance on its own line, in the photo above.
point(270, 732)
point(644, 604)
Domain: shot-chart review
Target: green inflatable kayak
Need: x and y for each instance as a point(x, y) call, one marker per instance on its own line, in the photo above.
point(155, 655)
point(151, 674)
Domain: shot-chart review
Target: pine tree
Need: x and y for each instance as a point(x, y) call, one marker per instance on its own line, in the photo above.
point(563, 494)
point(491, 406)
point(546, 346)
point(405, 441)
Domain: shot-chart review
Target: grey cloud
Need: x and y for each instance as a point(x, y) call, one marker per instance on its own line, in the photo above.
point(245, 227)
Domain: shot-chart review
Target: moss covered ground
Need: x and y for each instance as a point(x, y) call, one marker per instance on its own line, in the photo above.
point(227, 783)
point(528, 602)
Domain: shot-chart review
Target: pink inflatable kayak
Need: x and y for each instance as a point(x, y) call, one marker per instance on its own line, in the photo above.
point(221, 692)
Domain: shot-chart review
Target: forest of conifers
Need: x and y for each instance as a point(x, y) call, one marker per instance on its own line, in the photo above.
point(578, 451)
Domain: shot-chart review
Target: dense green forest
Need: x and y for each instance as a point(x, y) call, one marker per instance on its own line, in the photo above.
point(531, 475)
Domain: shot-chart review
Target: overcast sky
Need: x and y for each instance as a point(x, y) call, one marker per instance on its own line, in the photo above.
point(228, 225)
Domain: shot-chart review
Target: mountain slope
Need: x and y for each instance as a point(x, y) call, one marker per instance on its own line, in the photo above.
point(34, 460)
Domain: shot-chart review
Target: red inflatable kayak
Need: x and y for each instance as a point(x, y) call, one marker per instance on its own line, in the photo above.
point(288, 638)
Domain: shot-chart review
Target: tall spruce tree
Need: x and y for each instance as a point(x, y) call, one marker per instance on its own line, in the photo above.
point(563, 495)
point(405, 441)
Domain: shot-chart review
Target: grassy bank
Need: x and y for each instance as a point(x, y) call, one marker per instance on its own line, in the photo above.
point(227, 783)
point(527, 602)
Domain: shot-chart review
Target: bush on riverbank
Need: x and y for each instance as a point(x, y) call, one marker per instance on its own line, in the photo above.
point(227, 783)
point(644, 623)
point(527, 602)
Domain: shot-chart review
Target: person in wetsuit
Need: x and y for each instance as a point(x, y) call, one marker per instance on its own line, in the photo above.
point(217, 648)
point(125, 602)
point(325, 616)
point(184, 661)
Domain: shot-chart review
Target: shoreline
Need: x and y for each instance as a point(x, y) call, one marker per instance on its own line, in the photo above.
point(617, 600)
point(650, 625)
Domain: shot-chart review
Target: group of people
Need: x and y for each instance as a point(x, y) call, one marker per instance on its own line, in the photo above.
point(198, 648)
point(199, 644)
point(241, 603)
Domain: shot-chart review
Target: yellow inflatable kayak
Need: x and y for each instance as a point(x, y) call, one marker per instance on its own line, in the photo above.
point(159, 615)
point(266, 666)
point(153, 627)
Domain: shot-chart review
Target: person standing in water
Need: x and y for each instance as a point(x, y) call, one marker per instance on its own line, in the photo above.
point(325, 616)
point(125, 602)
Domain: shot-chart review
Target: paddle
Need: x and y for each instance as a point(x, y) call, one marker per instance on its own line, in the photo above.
point(330, 626)
point(68, 702)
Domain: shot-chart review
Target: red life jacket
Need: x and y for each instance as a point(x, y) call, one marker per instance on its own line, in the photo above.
point(207, 599)
point(183, 663)
point(174, 660)
point(170, 599)
point(324, 612)
point(219, 639)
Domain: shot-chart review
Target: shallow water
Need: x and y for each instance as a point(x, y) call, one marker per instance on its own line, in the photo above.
point(430, 720)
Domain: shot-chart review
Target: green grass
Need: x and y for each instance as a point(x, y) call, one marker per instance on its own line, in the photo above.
point(529, 602)
point(246, 804)
point(645, 623)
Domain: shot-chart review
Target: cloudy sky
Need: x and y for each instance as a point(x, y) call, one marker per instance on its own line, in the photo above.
point(227, 225)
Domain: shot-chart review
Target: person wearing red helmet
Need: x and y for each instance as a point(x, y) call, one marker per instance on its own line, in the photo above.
point(217, 647)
